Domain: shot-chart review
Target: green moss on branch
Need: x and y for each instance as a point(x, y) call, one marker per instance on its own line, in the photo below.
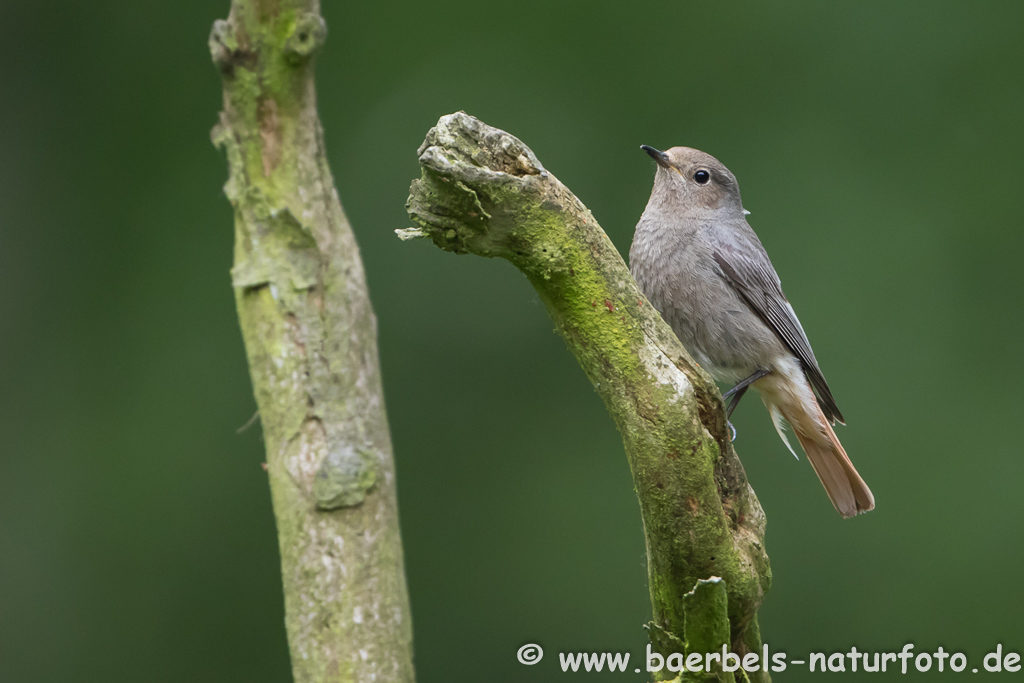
point(482, 191)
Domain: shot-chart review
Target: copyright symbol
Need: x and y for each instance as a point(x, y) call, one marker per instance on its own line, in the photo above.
point(531, 653)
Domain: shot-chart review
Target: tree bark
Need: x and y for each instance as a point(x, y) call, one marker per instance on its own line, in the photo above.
point(483, 192)
point(310, 337)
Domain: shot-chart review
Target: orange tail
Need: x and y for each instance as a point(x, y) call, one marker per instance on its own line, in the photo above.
point(844, 486)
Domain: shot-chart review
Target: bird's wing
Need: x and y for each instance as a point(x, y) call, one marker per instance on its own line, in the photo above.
point(746, 267)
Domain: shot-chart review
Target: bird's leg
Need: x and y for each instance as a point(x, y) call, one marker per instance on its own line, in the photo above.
point(741, 388)
point(733, 403)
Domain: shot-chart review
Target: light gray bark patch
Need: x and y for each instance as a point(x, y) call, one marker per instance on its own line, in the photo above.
point(345, 477)
point(287, 253)
point(223, 43)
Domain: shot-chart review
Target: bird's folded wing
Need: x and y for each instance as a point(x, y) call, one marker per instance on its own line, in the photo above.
point(746, 266)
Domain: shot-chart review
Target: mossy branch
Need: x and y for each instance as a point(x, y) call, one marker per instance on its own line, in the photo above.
point(483, 192)
point(310, 337)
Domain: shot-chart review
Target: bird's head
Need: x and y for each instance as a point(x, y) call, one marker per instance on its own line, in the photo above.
point(691, 181)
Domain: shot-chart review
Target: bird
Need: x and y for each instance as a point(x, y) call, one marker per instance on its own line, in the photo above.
point(700, 264)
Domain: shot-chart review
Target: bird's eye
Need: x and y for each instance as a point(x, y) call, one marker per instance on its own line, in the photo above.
point(702, 177)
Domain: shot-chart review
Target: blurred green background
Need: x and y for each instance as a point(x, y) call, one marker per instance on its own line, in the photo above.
point(879, 146)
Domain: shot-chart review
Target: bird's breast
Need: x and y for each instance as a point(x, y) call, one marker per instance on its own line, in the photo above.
point(679, 276)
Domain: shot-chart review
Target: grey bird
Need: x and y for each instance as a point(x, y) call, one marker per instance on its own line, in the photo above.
point(700, 264)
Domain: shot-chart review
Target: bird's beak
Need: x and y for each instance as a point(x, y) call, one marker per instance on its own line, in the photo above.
point(657, 155)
